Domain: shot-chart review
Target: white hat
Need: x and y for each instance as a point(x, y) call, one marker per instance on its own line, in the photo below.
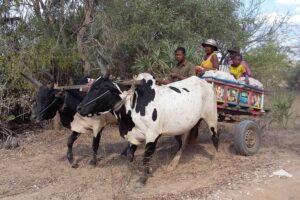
point(211, 42)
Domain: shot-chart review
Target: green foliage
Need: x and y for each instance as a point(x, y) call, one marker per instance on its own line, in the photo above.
point(160, 60)
point(130, 36)
point(293, 77)
point(268, 63)
point(281, 104)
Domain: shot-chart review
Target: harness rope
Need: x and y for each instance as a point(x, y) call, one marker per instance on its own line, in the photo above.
point(119, 104)
point(51, 104)
point(93, 100)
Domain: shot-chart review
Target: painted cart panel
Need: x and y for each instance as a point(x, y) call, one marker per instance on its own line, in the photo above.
point(238, 97)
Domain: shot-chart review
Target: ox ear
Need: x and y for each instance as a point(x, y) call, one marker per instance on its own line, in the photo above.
point(106, 75)
point(50, 86)
point(34, 81)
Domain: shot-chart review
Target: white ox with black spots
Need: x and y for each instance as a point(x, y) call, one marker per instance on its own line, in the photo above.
point(147, 111)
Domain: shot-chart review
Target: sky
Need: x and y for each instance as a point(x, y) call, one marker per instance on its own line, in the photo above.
point(279, 7)
point(284, 6)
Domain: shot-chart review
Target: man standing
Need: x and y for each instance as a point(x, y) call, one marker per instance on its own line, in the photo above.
point(182, 70)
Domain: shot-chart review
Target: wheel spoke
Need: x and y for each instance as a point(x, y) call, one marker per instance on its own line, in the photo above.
point(250, 138)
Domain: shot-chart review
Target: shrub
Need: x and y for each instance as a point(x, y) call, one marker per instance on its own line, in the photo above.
point(281, 104)
point(293, 77)
point(160, 59)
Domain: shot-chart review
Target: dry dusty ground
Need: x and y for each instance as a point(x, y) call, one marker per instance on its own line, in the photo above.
point(39, 169)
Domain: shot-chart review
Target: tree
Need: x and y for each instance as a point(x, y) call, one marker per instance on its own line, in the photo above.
point(88, 10)
point(269, 63)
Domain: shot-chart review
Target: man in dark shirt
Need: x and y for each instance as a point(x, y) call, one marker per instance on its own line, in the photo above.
point(182, 70)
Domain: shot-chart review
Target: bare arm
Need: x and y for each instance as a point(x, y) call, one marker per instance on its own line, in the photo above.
point(162, 82)
point(178, 76)
point(246, 78)
point(215, 62)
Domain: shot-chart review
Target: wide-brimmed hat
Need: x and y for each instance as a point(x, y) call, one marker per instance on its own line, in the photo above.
point(234, 50)
point(212, 43)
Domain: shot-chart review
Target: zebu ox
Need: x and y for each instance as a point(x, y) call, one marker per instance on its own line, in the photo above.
point(50, 100)
point(147, 111)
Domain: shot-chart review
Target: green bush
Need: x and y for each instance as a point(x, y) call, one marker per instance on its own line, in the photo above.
point(293, 77)
point(281, 104)
point(160, 59)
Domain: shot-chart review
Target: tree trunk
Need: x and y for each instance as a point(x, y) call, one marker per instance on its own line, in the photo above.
point(88, 8)
point(36, 8)
point(61, 23)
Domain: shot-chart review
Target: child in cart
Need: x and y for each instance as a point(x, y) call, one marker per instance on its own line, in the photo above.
point(237, 69)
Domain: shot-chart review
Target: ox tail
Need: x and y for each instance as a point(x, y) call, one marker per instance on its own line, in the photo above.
point(212, 125)
point(215, 137)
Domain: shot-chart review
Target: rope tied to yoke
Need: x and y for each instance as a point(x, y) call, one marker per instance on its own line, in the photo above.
point(126, 94)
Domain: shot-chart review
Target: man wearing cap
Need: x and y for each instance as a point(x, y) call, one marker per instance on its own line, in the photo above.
point(182, 70)
point(210, 60)
point(233, 51)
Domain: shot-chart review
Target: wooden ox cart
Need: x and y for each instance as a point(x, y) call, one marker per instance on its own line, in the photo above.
point(243, 106)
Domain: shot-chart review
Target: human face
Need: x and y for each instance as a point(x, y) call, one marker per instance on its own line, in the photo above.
point(236, 60)
point(208, 49)
point(179, 56)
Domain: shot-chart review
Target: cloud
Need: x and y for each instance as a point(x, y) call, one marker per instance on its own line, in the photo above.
point(295, 19)
point(270, 17)
point(297, 9)
point(288, 2)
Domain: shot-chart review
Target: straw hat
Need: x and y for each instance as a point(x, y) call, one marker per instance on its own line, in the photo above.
point(212, 43)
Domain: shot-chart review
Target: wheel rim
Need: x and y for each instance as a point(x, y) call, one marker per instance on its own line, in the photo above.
point(250, 138)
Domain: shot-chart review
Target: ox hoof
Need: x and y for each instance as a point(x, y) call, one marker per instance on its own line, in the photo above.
point(93, 163)
point(171, 168)
point(74, 165)
point(142, 170)
point(130, 157)
point(141, 182)
point(124, 152)
point(70, 158)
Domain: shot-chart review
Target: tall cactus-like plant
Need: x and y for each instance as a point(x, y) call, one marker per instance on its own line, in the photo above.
point(160, 59)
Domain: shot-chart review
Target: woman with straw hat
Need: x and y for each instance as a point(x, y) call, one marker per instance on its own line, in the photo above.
point(210, 60)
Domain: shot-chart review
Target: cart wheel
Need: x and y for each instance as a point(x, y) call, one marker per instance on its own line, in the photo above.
point(247, 138)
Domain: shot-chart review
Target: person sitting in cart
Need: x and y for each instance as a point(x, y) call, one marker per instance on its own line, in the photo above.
point(210, 60)
point(182, 70)
point(237, 69)
point(232, 52)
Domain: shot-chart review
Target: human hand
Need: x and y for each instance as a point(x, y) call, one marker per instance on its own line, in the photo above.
point(200, 71)
point(174, 75)
point(247, 81)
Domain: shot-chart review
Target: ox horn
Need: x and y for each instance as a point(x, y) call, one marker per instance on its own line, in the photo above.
point(104, 69)
point(49, 76)
point(32, 80)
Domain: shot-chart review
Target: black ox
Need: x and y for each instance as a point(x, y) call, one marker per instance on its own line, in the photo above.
point(50, 100)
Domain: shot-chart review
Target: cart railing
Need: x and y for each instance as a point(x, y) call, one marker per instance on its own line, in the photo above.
point(236, 97)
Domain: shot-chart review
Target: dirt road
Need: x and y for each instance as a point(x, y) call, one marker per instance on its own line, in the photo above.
point(39, 169)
